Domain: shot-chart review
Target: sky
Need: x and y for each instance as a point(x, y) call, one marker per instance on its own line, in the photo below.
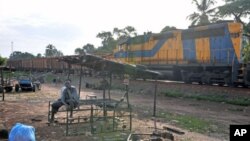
point(30, 25)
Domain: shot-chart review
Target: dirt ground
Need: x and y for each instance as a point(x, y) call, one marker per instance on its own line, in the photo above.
point(32, 108)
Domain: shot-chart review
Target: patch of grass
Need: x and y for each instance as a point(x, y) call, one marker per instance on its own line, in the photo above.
point(174, 94)
point(21, 73)
point(190, 123)
point(239, 101)
point(193, 124)
point(214, 98)
point(236, 109)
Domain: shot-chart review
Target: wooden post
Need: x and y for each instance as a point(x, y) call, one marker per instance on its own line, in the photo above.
point(154, 108)
point(110, 83)
point(104, 97)
point(154, 112)
point(127, 96)
point(80, 82)
point(91, 119)
point(69, 67)
point(126, 83)
point(2, 83)
point(67, 123)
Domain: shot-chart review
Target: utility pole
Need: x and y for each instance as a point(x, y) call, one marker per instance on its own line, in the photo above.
point(12, 44)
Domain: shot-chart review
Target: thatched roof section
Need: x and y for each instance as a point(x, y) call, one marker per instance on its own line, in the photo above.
point(101, 64)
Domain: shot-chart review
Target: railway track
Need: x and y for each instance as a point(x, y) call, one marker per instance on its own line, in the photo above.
point(198, 86)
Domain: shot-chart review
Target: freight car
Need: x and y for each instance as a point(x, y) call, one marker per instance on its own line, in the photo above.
point(206, 54)
point(49, 64)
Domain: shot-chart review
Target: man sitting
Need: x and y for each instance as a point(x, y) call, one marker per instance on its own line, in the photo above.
point(69, 98)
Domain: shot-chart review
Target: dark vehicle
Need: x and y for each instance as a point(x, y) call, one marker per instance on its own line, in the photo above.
point(26, 84)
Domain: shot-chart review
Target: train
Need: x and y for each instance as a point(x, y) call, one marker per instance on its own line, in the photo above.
point(209, 54)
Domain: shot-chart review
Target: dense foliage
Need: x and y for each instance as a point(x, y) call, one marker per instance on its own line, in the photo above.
point(2, 60)
point(168, 28)
point(21, 55)
point(246, 53)
point(51, 51)
point(88, 48)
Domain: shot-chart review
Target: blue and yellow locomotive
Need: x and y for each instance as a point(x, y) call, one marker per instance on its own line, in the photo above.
point(205, 54)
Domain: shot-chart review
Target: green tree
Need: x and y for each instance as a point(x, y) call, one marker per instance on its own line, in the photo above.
point(20, 55)
point(108, 42)
point(118, 32)
point(204, 11)
point(246, 53)
point(130, 31)
point(39, 55)
point(106, 37)
point(79, 51)
point(126, 32)
point(89, 48)
point(2, 60)
point(237, 8)
point(59, 53)
point(51, 51)
point(168, 28)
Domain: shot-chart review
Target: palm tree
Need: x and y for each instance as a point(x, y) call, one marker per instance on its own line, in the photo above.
point(202, 16)
point(51, 51)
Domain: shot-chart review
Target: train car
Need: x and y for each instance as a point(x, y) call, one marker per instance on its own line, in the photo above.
point(38, 64)
point(46, 64)
point(205, 54)
point(54, 65)
point(27, 64)
point(14, 63)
